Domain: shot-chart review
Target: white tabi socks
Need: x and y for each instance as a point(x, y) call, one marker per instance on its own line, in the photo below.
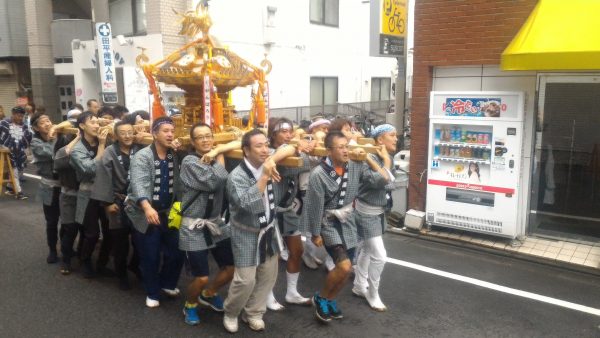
point(292, 295)
point(273, 304)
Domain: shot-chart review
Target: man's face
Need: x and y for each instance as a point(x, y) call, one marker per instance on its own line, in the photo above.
point(203, 139)
point(17, 118)
point(338, 152)
point(94, 107)
point(347, 130)
point(324, 128)
point(90, 127)
point(29, 109)
point(258, 150)
point(165, 135)
point(43, 125)
point(284, 135)
point(125, 135)
point(389, 140)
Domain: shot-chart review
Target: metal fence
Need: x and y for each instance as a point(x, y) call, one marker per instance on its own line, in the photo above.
point(375, 110)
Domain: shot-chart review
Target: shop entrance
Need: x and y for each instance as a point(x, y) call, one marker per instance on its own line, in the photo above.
point(565, 198)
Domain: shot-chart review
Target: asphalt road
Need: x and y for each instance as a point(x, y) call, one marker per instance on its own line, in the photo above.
point(37, 301)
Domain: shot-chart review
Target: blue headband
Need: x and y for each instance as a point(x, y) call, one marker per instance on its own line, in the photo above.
point(384, 128)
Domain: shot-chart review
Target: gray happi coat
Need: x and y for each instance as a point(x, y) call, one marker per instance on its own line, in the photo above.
point(199, 180)
point(84, 163)
point(321, 189)
point(245, 205)
point(370, 226)
point(290, 218)
point(141, 185)
point(43, 152)
point(111, 178)
point(68, 197)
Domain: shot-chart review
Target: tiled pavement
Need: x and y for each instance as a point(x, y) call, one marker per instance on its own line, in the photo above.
point(585, 256)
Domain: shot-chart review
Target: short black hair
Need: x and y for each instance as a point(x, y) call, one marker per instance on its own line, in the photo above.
point(120, 123)
point(247, 136)
point(119, 111)
point(89, 102)
point(332, 135)
point(78, 107)
point(106, 110)
point(18, 110)
point(163, 119)
point(198, 125)
point(338, 123)
point(36, 117)
point(275, 122)
point(83, 117)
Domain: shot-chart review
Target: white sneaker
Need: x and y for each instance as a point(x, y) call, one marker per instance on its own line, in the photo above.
point(297, 299)
point(152, 302)
point(309, 261)
point(284, 254)
point(255, 324)
point(172, 292)
point(230, 324)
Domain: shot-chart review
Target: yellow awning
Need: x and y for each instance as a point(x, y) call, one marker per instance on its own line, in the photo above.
point(558, 35)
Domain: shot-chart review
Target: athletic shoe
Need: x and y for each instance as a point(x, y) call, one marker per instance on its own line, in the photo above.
point(52, 257)
point(255, 324)
point(322, 308)
point(9, 191)
point(21, 197)
point(191, 315)
point(230, 324)
point(65, 268)
point(151, 303)
point(172, 292)
point(335, 312)
point(215, 302)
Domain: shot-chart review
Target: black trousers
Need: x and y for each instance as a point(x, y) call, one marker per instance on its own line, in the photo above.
point(52, 215)
point(94, 212)
point(69, 233)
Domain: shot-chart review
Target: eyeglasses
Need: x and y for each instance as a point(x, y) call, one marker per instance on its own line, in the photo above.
point(342, 147)
point(203, 137)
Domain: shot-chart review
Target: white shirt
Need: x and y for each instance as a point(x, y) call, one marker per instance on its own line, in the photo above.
point(257, 174)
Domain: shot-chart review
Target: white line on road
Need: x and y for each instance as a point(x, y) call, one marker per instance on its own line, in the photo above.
point(32, 176)
point(500, 288)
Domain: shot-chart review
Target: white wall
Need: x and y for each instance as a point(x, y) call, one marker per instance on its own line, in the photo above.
point(301, 49)
point(491, 78)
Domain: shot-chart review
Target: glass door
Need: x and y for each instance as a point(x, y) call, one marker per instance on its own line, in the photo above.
point(565, 197)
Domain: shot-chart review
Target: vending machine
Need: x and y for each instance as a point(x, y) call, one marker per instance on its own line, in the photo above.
point(474, 162)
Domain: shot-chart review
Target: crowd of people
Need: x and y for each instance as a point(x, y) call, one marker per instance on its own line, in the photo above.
point(176, 205)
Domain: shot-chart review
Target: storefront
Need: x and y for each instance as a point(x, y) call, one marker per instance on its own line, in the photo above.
point(557, 67)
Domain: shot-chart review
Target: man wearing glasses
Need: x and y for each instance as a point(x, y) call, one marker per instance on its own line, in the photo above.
point(328, 211)
point(112, 181)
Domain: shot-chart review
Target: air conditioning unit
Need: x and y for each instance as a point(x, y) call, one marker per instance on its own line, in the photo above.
point(6, 68)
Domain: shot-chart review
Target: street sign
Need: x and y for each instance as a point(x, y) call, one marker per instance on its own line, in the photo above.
point(388, 25)
point(106, 63)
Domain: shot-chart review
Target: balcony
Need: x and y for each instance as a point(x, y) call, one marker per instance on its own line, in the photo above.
point(64, 31)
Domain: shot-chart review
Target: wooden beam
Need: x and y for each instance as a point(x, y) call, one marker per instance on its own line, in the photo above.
point(319, 151)
point(365, 140)
point(291, 161)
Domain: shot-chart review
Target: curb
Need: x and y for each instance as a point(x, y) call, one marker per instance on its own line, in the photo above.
point(491, 250)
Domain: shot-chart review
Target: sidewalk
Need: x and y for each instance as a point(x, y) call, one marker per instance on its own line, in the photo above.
point(581, 257)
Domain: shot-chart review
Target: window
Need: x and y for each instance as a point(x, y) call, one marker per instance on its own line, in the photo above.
point(380, 88)
point(325, 12)
point(127, 17)
point(323, 91)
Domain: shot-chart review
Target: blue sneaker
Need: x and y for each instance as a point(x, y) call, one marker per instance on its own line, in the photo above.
point(335, 312)
point(322, 308)
point(215, 302)
point(191, 315)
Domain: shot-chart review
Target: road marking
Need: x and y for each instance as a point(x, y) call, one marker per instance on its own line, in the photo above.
point(32, 176)
point(500, 288)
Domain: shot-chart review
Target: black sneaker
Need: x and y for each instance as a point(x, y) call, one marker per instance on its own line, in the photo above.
point(65, 268)
point(88, 270)
point(335, 312)
point(322, 308)
point(52, 257)
point(21, 197)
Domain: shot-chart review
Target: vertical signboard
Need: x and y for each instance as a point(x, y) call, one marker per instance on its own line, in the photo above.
point(106, 63)
point(389, 20)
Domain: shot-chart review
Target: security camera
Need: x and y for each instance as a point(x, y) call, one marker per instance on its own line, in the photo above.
point(121, 39)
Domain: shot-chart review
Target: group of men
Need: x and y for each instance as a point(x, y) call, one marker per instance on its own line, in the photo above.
point(245, 215)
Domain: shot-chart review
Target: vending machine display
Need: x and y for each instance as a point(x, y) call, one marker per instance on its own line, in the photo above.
point(474, 161)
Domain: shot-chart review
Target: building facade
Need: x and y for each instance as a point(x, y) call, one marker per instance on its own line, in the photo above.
point(458, 47)
point(318, 48)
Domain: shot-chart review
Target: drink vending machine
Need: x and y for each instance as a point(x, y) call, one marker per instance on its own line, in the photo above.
point(474, 163)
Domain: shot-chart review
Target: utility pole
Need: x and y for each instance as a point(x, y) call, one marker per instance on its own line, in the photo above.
point(400, 97)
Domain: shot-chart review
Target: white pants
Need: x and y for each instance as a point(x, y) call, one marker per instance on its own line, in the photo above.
point(369, 264)
point(17, 175)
